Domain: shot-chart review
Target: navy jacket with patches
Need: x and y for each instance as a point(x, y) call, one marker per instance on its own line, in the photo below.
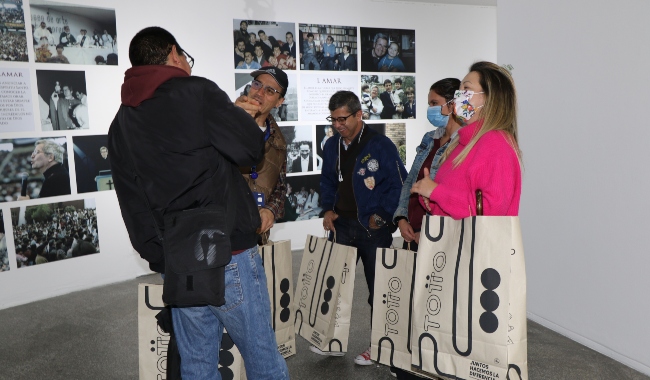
point(389, 176)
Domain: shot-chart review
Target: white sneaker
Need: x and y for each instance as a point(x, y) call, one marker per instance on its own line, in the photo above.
point(318, 351)
point(363, 358)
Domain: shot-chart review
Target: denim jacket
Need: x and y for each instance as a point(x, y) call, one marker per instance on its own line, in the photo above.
point(377, 178)
point(422, 152)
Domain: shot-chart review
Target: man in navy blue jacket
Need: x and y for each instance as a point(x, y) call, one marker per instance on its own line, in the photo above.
point(361, 181)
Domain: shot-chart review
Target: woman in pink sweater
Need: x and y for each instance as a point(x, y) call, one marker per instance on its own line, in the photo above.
point(485, 156)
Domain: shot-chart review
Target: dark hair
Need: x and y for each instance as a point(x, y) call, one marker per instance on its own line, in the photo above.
point(398, 80)
point(111, 59)
point(259, 44)
point(288, 34)
point(99, 59)
point(347, 99)
point(446, 88)
point(260, 32)
point(310, 35)
point(240, 40)
point(331, 38)
point(243, 21)
point(364, 87)
point(348, 47)
point(60, 46)
point(151, 46)
point(388, 81)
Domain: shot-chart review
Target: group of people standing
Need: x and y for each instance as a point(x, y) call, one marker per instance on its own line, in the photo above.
point(232, 158)
point(389, 104)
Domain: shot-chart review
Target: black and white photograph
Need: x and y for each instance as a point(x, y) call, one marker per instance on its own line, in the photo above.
point(4, 255)
point(72, 34)
point(328, 47)
point(387, 97)
point(91, 163)
point(300, 157)
point(62, 100)
point(288, 110)
point(55, 231)
point(13, 37)
point(303, 198)
point(264, 43)
point(33, 168)
point(396, 132)
point(323, 133)
point(387, 50)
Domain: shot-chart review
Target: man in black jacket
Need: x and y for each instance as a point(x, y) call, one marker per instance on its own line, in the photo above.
point(176, 144)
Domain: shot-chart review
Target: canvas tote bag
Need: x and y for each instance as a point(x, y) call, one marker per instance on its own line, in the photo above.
point(152, 341)
point(277, 261)
point(469, 308)
point(317, 292)
point(231, 363)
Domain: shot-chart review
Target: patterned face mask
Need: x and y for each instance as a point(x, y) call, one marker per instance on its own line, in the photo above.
point(464, 109)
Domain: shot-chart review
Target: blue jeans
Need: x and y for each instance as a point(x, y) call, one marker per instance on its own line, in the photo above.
point(350, 232)
point(247, 317)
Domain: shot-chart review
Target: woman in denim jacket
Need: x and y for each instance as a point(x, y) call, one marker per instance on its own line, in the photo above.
point(409, 213)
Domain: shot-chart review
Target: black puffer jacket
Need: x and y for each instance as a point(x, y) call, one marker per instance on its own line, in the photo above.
point(186, 141)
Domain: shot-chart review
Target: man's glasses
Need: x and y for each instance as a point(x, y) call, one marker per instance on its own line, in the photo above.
point(190, 60)
point(340, 120)
point(268, 90)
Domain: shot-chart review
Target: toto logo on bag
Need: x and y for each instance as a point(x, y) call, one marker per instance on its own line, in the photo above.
point(392, 302)
point(434, 286)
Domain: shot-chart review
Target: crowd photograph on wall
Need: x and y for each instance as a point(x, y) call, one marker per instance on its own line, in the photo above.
point(264, 43)
point(62, 100)
point(73, 34)
point(54, 232)
point(13, 37)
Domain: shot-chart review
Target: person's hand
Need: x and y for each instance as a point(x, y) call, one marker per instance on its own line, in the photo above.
point(372, 224)
point(240, 64)
point(417, 238)
point(427, 203)
point(251, 106)
point(425, 186)
point(374, 109)
point(406, 230)
point(268, 219)
point(328, 220)
point(383, 68)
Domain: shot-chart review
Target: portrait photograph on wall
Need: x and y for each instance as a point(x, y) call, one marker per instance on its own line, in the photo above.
point(62, 100)
point(328, 47)
point(323, 133)
point(300, 157)
point(73, 34)
point(387, 97)
point(4, 255)
point(33, 168)
point(303, 198)
point(387, 50)
point(91, 164)
point(396, 132)
point(264, 43)
point(13, 37)
point(16, 111)
point(287, 111)
point(55, 231)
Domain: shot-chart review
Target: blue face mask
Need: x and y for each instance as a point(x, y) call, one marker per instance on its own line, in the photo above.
point(436, 118)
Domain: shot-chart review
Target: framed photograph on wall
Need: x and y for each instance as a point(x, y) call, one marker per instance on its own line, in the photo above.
point(300, 156)
point(264, 43)
point(33, 168)
point(303, 198)
point(13, 39)
point(4, 255)
point(54, 231)
point(62, 100)
point(396, 132)
point(387, 96)
point(328, 47)
point(73, 34)
point(91, 163)
point(387, 50)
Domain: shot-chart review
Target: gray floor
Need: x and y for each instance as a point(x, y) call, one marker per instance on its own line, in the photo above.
point(92, 334)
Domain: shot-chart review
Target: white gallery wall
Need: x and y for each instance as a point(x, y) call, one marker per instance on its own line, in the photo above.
point(581, 70)
point(204, 29)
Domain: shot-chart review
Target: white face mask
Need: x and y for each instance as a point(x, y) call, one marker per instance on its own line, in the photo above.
point(464, 109)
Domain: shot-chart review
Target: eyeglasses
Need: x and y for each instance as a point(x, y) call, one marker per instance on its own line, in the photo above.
point(339, 120)
point(268, 90)
point(190, 60)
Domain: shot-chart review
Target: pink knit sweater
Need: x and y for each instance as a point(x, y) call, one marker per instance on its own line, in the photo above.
point(491, 166)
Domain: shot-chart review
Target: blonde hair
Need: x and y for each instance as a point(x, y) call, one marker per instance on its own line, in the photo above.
point(499, 113)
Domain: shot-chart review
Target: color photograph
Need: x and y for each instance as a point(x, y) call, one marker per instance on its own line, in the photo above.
point(91, 163)
point(72, 34)
point(264, 43)
point(328, 47)
point(387, 50)
point(55, 231)
point(396, 132)
point(33, 168)
point(13, 37)
point(387, 97)
point(62, 99)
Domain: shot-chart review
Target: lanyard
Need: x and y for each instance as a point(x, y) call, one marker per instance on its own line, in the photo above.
point(267, 134)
